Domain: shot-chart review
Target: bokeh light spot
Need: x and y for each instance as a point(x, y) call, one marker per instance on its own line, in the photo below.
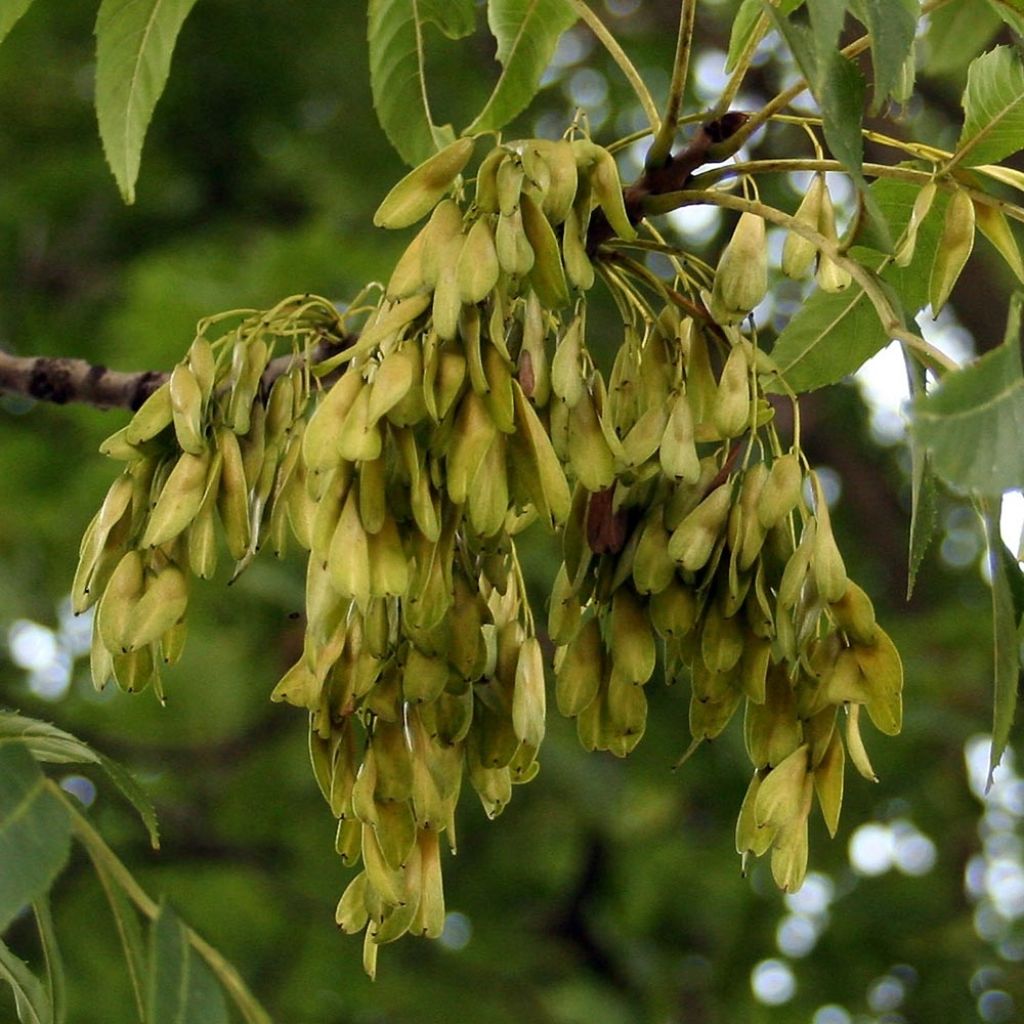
point(773, 982)
point(458, 930)
point(872, 849)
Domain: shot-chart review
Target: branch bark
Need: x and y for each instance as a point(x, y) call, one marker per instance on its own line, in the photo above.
point(61, 380)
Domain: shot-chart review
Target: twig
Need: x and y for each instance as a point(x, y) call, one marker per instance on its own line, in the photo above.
point(61, 380)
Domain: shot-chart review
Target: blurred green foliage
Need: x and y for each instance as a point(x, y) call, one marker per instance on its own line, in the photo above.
point(608, 892)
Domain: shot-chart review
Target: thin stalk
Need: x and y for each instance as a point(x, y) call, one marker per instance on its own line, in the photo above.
point(619, 270)
point(662, 145)
point(628, 267)
point(678, 258)
point(520, 579)
point(784, 98)
point(609, 42)
point(682, 264)
point(918, 150)
point(706, 179)
point(612, 283)
point(627, 140)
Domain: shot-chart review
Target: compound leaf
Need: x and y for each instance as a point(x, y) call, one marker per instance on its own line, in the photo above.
point(832, 335)
point(743, 26)
point(1006, 618)
point(455, 18)
point(1011, 11)
point(56, 986)
point(956, 33)
point(51, 745)
point(923, 512)
point(398, 80)
point(128, 929)
point(892, 25)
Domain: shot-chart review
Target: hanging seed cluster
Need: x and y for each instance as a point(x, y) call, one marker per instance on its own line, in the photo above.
point(406, 465)
point(213, 443)
point(701, 536)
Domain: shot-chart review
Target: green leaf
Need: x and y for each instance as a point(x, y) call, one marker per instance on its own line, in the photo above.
point(892, 25)
point(800, 41)
point(993, 108)
point(895, 201)
point(827, 18)
point(55, 984)
point(134, 43)
point(956, 33)
point(924, 518)
point(35, 832)
point(974, 421)
point(743, 25)
point(10, 12)
point(134, 794)
point(128, 928)
point(832, 335)
point(398, 76)
point(1005, 624)
point(455, 18)
point(30, 997)
point(842, 106)
point(527, 32)
point(54, 746)
point(180, 987)
point(1011, 11)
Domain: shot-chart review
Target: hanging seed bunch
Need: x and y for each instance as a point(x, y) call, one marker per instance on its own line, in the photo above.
point(407, 462)
point(425, 459)
point(692, 525)
point(218, 441)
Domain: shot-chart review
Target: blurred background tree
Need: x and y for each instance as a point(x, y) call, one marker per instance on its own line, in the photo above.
point(608, 891)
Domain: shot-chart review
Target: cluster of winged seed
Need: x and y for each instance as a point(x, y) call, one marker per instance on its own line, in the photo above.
point(407, 464)
point(702, 538)
point(210, 443)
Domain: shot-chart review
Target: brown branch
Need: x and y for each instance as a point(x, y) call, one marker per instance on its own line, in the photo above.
point(61, 380)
